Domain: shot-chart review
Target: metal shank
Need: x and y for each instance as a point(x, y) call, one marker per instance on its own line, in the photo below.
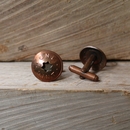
point(88, 63)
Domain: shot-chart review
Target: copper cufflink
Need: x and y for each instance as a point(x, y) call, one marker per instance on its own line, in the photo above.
point(47, 65)
point(91, 57)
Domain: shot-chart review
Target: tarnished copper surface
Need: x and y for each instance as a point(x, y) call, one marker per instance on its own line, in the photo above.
point(88, 64)
point(47, 66)
point(87, 75)
point(92, 57)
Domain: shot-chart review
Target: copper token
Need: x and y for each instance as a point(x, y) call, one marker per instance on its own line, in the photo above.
point(47, 66)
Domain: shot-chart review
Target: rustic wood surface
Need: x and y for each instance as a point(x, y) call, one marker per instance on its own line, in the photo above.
point(60, 110)
point(64, 26)
point(18, 75)
point(66, 104)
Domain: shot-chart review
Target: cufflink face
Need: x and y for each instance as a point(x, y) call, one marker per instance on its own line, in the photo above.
point(47, 66)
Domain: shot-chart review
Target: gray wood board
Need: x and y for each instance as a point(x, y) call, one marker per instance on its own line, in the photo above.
point(64, 26)
point(18, 75)
point(66, 104)
point(60, 110)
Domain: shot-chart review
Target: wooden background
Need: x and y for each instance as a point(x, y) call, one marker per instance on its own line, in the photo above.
point(64, 26)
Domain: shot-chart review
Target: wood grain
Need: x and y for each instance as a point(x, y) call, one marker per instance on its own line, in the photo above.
point(66, 104)
point(113, 78)
point(64, 26)
point(60, 110)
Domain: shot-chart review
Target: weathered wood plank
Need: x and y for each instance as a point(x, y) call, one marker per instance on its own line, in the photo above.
point(114, 77)
point(64, 26)
point(66, 104)
point(52, 110)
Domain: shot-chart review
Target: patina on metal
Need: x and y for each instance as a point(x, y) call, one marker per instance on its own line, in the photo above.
point(91, 57)
point(47, 66)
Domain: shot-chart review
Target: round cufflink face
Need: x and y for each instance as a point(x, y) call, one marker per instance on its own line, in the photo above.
point(47, 66)
point(100, 61)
